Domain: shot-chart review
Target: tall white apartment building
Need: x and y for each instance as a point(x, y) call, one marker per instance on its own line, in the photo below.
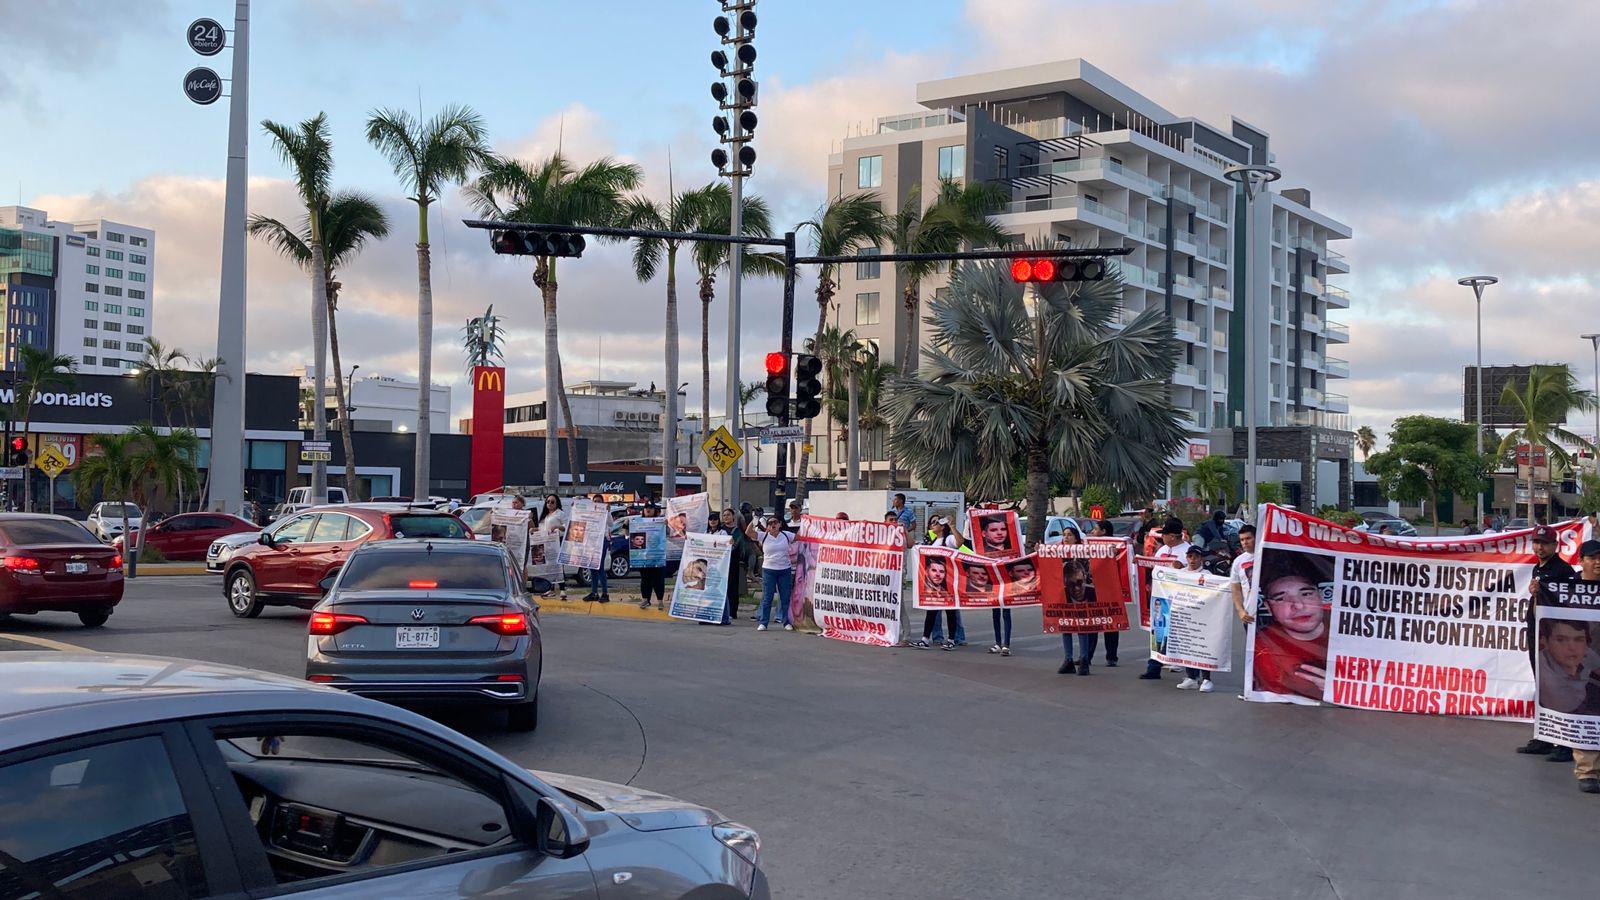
point(82, 289)
point(1087, 159)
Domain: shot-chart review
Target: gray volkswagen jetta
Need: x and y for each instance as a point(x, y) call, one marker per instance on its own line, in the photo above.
point(141, 776)
point(430, 619)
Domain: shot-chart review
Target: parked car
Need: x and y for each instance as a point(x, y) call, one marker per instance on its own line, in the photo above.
point(144, 776)
point(430, 619)
point(300, 498)
point(286, 565)
point(476, 518)
point(223, 548)
point(105, 519)
point(53, 564)
point(186, 536)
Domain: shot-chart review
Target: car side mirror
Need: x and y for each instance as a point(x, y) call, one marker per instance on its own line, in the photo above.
point(546, 824)
point(264, 539)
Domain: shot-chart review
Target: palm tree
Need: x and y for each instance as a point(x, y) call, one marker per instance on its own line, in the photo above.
point(838, 350)
point(681, 212)
point(552, 192)
point(871, 381)
point(1000, 390)
point(958, 214)
point(1366, 440)
point(427, 157)
point(165, 461)
point(1212, 478)
point(308, 152)
point(1542, 402)
point(748, 391)
point(843, 226)
point(349, 221)
point(711, 257)
point(110, 472)
point(36, 369)
point(159, 376)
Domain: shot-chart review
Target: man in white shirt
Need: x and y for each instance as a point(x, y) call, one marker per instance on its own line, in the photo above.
point(1173, 546)
point(1239, 573)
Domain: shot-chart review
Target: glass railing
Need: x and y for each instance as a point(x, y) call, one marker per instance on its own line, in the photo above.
point(1311, 285)
point(1336, 403)
point(1204, 207)
point(1072, 166)
point(1311, 360)
point(1219, 339)
point(913, 121)
point(1100, 209)
point(1186, 371)
point(1147, 231)
point(1214, 252)
point(1336, 296)
point(1070, 202)
point(1311, 322)
point(1185, 282)
point(1337, 331)
point(1336, 367)
point(1311, 396)
point(1188, 329)
point(1221, 295)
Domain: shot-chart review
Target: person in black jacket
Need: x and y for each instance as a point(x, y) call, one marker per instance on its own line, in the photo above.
point(1551, 568)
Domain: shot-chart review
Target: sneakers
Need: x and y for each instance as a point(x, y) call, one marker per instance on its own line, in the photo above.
point(1066, 668)
point(645, 605)
point(995, 649)
point(761, 628)
point(788, 626)
point(1150, 676)
point(1111, 664)
point(949, 645)
point(1188, 684)
point(1206, 686)
point(1559, 754)
point(1536, 747)
point(1083, 667)
point(1005, 651)
point(1589, 785)
point(921, 644)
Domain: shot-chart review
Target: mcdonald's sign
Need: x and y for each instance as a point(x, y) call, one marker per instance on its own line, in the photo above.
point(487, 471)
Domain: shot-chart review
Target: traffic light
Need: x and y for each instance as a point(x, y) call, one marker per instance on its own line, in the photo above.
point(735, 90)
point(18, 454)
point(1046, 269)
point(536, 243)
point(777, 385)
point(807, 386)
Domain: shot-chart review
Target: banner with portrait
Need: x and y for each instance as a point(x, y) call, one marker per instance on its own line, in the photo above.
point(647, 542)
point(1143, 565)
point(510, 527)
point(544, 556)
point(1191, 619)
point(1567, 655)
point(1421, 625)
point(977, 581)
point(686, 515)
point(588, 524)
point(1086, 586)
point(853, 578)
point(994, 533)
point(701, 590)
point(1020, 583)
point(933, 577)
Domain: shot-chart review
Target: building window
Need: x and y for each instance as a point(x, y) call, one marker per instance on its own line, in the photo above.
point(869, 172)
point(135, 294)
point(91, 269)
point(111, 345)
point(91, 306)
point(136, 276)
point(111, 326)
point(89, 360)
point(1002, 161)
point(114, 309)
point(869, 269)
point(139, 241)
point(91, 287)
point(136, 329)
point(112, 291)
point(90, 323)
point(953, 161)
point(130, 364)
point(136, 311)
point(114, 237)
point(92, 251)
point(113, 273)
point(867, 308)
point(114, 255)
point(138, 259)
point(90, 342)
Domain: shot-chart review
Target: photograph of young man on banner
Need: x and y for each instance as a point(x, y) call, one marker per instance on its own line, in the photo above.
point(1291, 628)
point(1019, 582)
point(935, 586)
point(996, 533)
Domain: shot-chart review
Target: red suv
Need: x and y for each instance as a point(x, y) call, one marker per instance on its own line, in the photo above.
point(290, 560)
point(187, 536)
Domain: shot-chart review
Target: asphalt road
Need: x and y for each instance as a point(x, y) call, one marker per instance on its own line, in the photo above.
point(908, 773)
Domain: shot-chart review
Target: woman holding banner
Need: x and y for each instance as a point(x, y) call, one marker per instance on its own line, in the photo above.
point(943, 534)
point(1072, 536)
point(652, 579)
point(1196, 679)
point(553, 520)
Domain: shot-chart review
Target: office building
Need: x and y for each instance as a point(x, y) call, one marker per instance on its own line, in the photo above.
point(1086, 159)
point(620, 421)
point(377, 402)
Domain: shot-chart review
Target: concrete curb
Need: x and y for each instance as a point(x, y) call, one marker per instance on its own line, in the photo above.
point(618, 608)
point(148, 569)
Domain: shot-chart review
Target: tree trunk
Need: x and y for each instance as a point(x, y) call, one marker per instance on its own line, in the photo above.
point(669, 418)
point(345, 428)
point(706, 297)
point(319, 357)
point(908, 355)
point(824, 298)
point(566, 417)
point(544, 275)
point(422, 462)
point(1038, 468)
point(1434, 492)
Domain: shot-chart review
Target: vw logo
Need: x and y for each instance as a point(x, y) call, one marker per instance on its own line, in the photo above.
point(417, 614)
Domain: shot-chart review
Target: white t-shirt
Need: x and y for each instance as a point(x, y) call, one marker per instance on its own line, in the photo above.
point(1239, 572)
point(775, 550)
point(1178, 553)
point(949, 540)
point(554, 523)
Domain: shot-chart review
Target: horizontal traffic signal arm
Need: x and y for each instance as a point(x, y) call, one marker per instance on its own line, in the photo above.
point(962, 255)
point(600, 231)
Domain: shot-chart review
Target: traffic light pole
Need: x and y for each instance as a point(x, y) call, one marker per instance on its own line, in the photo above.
point(781, 474)
point(733, 410)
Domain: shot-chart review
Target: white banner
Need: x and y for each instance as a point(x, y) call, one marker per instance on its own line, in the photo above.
point(702, 587)
point(510, 527)
point(1191, 620)
point(1568, 659)
point(585, 546)
point(544, 556)
point(855, 586)
point(686, 515)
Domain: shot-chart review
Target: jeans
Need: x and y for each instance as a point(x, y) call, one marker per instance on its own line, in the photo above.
point(599, 580)
point(1197, 674)
point(958, 630)
point(1086, 645)
point(781, 581)
point(1113, 638)
point(1004, 639)
point(730, 604)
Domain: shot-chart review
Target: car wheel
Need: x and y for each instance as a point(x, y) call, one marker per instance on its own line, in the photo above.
point(94, 618)
point(242, 598)
point(582, 577)
point(619, 566)
point(523, 716)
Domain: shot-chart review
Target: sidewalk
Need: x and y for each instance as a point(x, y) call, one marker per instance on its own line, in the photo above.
point(622, 606)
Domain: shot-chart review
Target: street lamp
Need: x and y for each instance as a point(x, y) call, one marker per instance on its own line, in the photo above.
point(1478, 283)
point(1594, 340)
point(1252, 178)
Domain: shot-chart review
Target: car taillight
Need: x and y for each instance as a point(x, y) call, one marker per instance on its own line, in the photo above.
point(422, 585)
point(22, 563)
point(116, 561)
point(511, 623)
point(333, 623)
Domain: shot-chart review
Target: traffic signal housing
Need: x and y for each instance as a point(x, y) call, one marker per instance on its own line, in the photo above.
point(777, 385)
point(536, 243)
point(807, 386)
point(17, 454)
point(1046, 269)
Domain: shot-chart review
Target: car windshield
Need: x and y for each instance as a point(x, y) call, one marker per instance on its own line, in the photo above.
point(476, 519)
point(118, 510)
point(424, 569)
point(427, 525)
point(46, 531)
point(318, 749)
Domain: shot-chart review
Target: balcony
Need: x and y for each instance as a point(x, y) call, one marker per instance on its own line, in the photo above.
point(1337, 333)
point(924, 119)
point(1186, 374)
point(1311, 397)
point(1221, 297)
point(1074, 201)
point(1187, 330)
point(1138, 276)
point(1337, 297)
point(1311, 360)
point(1336, 403)
point(1219, 340)
point(1311, 322)
point(1335, 367)
point(1219, 382)
point(1153, 233)
point(1187, 285)
point(1203, 207)
point(1311, 285)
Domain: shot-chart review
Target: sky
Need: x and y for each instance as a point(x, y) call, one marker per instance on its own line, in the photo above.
point(1455, 138)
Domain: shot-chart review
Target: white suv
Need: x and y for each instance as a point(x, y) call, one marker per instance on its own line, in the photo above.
point(300, 498)
point(106, 519)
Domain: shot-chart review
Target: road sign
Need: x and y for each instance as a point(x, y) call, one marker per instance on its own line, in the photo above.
point(202, 85)
point(722, 449)
point(783, 434)
point(51, 462)
point(11, 473)
point(807, 448)
point(206, 37)
point(323, 446)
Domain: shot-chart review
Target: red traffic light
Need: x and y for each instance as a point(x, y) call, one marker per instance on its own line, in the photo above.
point(776, 363)
point(19, 443)
point(1036, 270)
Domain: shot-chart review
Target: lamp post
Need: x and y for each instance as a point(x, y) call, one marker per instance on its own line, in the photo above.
point(1594, 341)
point(1478, 283)
point(1252, 178)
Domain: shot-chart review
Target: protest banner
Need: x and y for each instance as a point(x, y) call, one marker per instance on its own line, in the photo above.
point(1086, 586)
point(588, 530)
point(1567, 654)
point(933, 579)
point(854, 578)
point(1371, 621)
point(996, 533)
point(1143, 566)
point(647, 542)
point(701, 590)
point(977, 581)
point(510, 527)
point(1191, 619)
point(544, 556)
point(686, 515)
point(1019, 581)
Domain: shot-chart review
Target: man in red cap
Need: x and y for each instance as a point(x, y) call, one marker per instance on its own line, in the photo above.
point(1550, 569)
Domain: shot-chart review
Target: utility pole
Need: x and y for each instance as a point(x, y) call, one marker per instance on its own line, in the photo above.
point(1252, 178)
point(736, 29)
point(1478, 283)
point(227, 413)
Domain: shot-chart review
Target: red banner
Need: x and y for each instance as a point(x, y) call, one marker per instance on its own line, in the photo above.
point(1087, 586)
point(486, 470)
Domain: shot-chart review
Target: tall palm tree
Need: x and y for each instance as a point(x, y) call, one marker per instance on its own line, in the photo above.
point(109, 472)
point(553, 192)
point(1542, 402)
point(958, 214)
point(680, 212)
point(164, 460)
point(1058, 389)
point(1366, 440)
point(307, 149)
point(348, 223)
point(871, 382)
point(711, 257)
point(843, 226)
point(159, 374)
point(1212, 478)
point(427, 157)
point(36, 369)
point(838, 350)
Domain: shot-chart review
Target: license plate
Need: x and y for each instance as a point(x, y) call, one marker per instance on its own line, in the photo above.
point(77, 568)
point(425, 637)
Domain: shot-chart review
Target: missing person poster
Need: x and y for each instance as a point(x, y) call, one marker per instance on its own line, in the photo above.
point(1420, 625)
point(647, 542)
point(996, 533)
point(1019, 581)
point(1143, 566)
point(1567, 655)
point(510, 527)
point(686, 515)
point(977, 582)
point(1085, 586)
point(1191, 619)
point(701, 590)
point(855, 578)
point(933, 577)
point(544, 556)
point(588, 524)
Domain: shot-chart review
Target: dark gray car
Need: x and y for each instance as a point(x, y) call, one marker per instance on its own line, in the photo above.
point(430, 619)
point(142, 776)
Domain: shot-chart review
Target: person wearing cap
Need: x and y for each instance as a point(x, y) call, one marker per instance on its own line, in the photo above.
point(652, 579)
point(1175, 548)
point(1550, 569)
point(1195, 679)
point(1214, 529)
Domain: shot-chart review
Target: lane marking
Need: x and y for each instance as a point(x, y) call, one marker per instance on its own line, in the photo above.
point(46, 643)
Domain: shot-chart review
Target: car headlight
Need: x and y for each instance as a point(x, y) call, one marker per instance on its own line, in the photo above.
point(741, 839)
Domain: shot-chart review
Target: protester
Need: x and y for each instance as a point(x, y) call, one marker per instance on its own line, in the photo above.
point(1071, 536)
point(1586, 763)
point(937, 581)
point(652, 579)
point(1239, 573)
point(599, 587)
point(738, 558)
point(553, 520)
point(777, 570)
point(792, 515)
point(1175, 548)
point(1214, 529)
point(1195, 679)
point(903, 515)
point(717, 524)
point(943, 534)
point(1550, 569)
